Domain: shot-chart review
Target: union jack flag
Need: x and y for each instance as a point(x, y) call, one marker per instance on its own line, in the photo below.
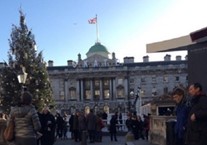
point(92, 21)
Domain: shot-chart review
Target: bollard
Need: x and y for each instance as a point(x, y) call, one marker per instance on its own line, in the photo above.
point(170, 132)
point(84, 137)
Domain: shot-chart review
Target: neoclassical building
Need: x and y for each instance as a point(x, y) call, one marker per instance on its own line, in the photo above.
point(104, 83)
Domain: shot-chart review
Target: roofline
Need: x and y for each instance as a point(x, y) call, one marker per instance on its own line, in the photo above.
point(170, 44)
point(180, 43)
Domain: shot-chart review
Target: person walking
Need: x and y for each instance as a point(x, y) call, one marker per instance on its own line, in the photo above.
point(181, 112)
point(27, 122)
point(197, 120)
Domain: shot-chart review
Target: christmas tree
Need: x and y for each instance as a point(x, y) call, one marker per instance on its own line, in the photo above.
point(23, 57)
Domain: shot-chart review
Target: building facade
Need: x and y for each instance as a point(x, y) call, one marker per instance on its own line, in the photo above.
point(104, 84)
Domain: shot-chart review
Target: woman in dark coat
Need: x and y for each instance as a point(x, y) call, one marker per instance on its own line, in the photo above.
point(113, 127)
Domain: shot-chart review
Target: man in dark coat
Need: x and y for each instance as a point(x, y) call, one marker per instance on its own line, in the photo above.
point(197, 120)
point(91, 125)
point(181, 111)
point(48, 127)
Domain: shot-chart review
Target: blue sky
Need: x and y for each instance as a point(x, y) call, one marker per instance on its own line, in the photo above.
point(62, 31)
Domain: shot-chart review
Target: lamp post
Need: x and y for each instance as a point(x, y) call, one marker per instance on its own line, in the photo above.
point(130, 104)
point(139, 96)
point(22, 77)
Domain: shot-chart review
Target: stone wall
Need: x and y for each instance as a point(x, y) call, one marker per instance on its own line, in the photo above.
point(157, 134)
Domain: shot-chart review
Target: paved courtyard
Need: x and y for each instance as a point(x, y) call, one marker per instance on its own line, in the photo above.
point(106, 141)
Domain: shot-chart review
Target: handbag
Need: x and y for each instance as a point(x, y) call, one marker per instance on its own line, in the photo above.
point(9, 131)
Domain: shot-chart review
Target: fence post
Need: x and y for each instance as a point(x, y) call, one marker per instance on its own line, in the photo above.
point(170, 132)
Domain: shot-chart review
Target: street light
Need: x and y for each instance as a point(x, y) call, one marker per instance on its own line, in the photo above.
point(22, 77)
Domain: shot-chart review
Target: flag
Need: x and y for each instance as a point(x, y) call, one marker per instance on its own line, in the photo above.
point(92, 21)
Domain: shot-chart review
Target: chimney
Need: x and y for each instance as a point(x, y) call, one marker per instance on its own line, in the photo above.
point(50, 63)
point(146, 58)
point(79, 57)
point(128, 59)
point(167, 57)
point(178, 58)
point(70, 62)
point(113, 56)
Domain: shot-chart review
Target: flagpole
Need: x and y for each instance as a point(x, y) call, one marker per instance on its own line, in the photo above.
point(97, 34)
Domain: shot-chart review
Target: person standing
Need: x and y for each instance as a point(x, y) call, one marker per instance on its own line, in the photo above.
point(146, 125)
point(181, 112)
point(27, 122)
point(112, 130)
point(91, 126)
point(48, 127)
point(82, 125)
point(2, 128)
point(197, 120)
point(59, 126)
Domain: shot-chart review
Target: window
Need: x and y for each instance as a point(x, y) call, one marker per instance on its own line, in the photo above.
point(97, 83)
point(154, 79)
point(106, 94)
point(120, 91)
point(143, 79)
point(62, 97)
point(165, 79)
point(106, 82)
point(165, 90)
point(131, 81)
point(72, 94)
point(154, 91)
point(87, 84)
point(97, 94)
point(177, 78)
point(87, 94)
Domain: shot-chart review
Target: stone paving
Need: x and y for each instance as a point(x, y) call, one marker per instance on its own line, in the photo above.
point(106, 141)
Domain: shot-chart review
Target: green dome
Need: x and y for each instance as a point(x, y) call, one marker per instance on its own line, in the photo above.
point(97, 47)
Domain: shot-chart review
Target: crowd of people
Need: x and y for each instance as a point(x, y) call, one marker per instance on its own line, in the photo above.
point(44, 128)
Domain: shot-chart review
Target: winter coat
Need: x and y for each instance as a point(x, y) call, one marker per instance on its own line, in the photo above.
point(82, 122)
point(197, 130)
point(182, 111)
point(91, 121)
point(113, 123)
point(26, 120)
point(48, 129)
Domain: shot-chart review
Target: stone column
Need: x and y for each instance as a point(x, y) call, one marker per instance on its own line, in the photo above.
point(114, 91)
point(81, 90)
point(92, 90)
point(101, 89)
point(66, 90)
point(126, 85)
point(78, 94)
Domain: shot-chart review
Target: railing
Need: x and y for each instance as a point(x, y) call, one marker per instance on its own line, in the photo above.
point(120, 126)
